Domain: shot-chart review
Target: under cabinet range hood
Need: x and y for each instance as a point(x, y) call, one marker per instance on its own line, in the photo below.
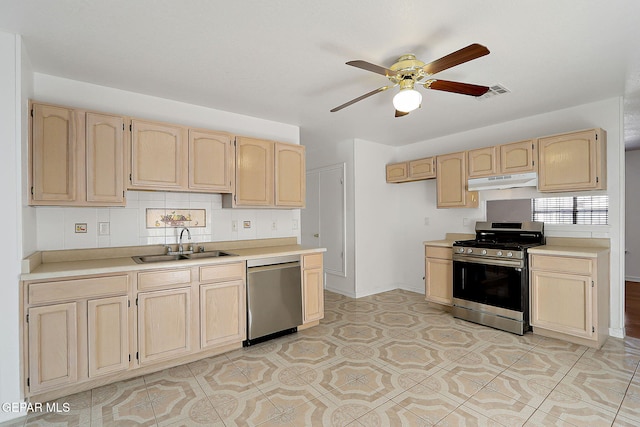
point(503, 181)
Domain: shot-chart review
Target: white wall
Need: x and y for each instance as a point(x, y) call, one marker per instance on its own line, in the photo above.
point(378, 268)
point(10, 193)
point(632, 199)
point(417, 200)
point(326, 153)
point(56, 225)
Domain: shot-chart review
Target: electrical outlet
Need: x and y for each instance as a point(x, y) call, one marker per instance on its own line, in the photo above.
point(274, 225)
point(295, 224)
point(234, 225)
point(426, 220)
point(81, 227)
point(246, 224)
point(465, 221)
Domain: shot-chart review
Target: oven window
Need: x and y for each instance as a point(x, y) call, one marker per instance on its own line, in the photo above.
point(494, 285)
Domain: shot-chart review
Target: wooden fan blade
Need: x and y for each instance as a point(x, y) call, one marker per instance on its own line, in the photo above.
point(457, 87)
point(360, 98)
point(372, 67)
point(400, 113)
point(458, 57)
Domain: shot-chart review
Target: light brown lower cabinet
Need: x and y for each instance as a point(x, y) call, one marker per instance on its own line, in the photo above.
point(164, 324)
point(223, 317)
point(75, 330)
point(108, 333)
point(312, 288)
point(570, 297)
point(53, 346)
point(438, 266)
point(84, 332)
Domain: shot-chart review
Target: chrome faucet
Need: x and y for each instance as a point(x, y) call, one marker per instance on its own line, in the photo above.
point(180, 248)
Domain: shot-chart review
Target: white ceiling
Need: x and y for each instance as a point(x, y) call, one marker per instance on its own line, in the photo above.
point(284, 60)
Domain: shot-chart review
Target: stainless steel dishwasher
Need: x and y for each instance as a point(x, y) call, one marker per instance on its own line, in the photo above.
point(274, 297)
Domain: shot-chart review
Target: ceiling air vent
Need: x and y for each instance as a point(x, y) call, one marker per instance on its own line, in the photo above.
point(494, 90)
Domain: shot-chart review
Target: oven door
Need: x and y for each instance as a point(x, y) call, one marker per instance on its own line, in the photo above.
point(498, 283)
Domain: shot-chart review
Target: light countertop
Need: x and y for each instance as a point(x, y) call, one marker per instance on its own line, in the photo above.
point(557, 250)
point(124, 263)
point(449, 239)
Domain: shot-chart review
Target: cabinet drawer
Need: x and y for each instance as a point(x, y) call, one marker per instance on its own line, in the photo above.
point(71, 290)
point(222, 272)
point(438, 252)
point(312, 261)
point(156, 279)
point(583, 266)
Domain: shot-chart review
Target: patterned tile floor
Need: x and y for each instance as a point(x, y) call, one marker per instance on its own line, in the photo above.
point(384, 360)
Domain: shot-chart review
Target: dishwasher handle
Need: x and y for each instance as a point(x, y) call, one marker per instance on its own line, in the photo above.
point(251, 270)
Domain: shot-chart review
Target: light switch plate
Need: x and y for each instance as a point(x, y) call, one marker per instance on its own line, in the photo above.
point(246, 224)
point(104, 228)
point(295, 224)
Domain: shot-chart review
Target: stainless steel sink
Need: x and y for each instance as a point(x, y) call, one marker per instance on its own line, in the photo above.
point(210, 254)
point(144, 259)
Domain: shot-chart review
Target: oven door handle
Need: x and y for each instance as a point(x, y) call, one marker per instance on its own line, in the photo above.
point(485, 261)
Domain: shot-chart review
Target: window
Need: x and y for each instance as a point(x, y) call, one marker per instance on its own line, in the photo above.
point(585, 210)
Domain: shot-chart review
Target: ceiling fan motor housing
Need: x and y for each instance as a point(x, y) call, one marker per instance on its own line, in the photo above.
point(407, 68)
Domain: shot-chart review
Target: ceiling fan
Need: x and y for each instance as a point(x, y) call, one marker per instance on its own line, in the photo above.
point(409, 71)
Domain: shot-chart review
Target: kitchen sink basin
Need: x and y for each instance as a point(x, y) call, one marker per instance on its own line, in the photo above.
point(144, 259)
point(210, 254)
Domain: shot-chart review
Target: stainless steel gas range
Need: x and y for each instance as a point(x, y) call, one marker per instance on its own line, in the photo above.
point(491, 277)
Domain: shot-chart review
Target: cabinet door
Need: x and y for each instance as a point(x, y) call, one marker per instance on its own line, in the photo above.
point(108, 331)
point(518, 157)
point(53, 346)
point(222, 313)
point(562, 302)
point(482, 162)
point(158, 156)
point(164, 324)
point(210, 161)
point(312, 295)
point(397, 172)
point(105, 158)
point(290, 175)
point(254, 172)
point(572, 161)
point(54, 145)
point(422, 169)
point(439, 280)
point(451, 182)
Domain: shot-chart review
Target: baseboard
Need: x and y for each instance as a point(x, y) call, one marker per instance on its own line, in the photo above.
point(616, 332)
point(418, 290)
point(632, 279)
point(340, 291)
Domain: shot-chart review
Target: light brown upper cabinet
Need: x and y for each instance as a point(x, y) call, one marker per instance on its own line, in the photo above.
point(210, 161)
point(77, 157)
point(451, 182)
point(254, 172)
point(397, 172)
point(413, 170)
point(159, 156)
point(268, 174)
point(482, 162)
point(105, 158)
point(290, 175)
point(516, 157)
point(573, 161)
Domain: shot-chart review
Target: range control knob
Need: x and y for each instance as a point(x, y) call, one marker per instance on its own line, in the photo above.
point(484, 252)
point(499, 253)
point(509, 254)
point(469, 251)
point(460, 250)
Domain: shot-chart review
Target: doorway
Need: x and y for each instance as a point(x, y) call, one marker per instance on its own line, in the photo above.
point(324, 218)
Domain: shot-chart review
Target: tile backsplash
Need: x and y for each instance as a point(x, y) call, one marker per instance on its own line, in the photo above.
point(127, 226)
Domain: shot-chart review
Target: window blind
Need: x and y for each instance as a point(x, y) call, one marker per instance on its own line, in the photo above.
point(584, 210)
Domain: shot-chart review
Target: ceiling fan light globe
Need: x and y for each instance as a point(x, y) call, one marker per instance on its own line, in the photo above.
point(407, 100)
